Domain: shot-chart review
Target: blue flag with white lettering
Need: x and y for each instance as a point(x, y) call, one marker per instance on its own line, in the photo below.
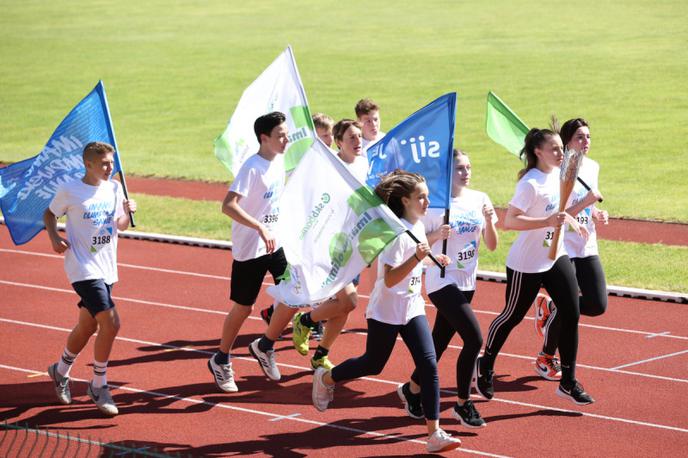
point(27, 187)
point(422, 144)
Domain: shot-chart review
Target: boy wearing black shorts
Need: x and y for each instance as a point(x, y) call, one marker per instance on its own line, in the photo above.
point(253, 204)
point(96, 209)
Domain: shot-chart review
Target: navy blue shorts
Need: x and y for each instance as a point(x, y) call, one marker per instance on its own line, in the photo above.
point(95, 295)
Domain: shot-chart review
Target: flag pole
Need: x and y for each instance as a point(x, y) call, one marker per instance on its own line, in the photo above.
point(101, 91)
point(415, 239)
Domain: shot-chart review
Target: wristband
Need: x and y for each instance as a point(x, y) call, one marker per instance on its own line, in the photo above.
point(416, 256)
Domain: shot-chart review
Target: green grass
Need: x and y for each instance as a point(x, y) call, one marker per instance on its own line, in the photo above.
point(640, 265)
point(175, 70)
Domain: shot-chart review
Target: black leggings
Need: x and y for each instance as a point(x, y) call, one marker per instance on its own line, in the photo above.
point(592, 300)
point(379, 345)
point(454, 314)
point(521, 290)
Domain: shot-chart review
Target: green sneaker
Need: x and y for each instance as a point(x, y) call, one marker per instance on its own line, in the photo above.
point(322, 362)
point(300, 335)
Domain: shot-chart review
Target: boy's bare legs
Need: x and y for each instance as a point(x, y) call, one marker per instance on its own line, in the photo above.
point(108, 327)
point(233, 322)
point(344, 302)
point(279, 321)
point(82, 332)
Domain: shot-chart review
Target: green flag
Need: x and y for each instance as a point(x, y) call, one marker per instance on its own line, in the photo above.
point(503, 125)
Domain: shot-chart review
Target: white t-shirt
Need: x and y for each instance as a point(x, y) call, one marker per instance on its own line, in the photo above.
point(467, 225)
point(259, 183)
point(366, 143)
point(402, 302)
point(537, 195)
point(92, 213)
point(359, 168)
point(576, 246)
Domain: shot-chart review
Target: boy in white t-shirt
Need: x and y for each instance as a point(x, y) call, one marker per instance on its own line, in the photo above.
point(368, 114)
point(96, 209)
point(253, 204)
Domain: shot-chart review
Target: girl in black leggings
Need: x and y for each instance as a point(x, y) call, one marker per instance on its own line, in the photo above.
point(396, 307)
point(575, 134)
point(533, 211)
point(471, 215)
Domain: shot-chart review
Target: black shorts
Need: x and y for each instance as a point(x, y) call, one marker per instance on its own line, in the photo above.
point(247, 276)
point(95, 295)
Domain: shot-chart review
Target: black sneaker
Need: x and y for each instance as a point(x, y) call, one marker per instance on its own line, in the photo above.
point(575, 394)
point(468, 415)
point(411, 401)
point(266, 313)
point(483, 381)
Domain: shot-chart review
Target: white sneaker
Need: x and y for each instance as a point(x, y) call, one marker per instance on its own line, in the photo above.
point(224, 375)
point(101, 396)
point(440, 441)
point(323, 394)
point(61, 385)
point(266, 360)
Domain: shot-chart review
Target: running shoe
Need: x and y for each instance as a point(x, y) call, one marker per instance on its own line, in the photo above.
point(61, 383)
point(575, 394)
point(440, 441)
point(468, 415)
point(103, 399)
point(266, 360)
point(322, 362)
point(548, 367)
point(411, 401)
point(300, 334)
point(543, 309)
point(483, 381)
point(223, 375)
point(323, 394)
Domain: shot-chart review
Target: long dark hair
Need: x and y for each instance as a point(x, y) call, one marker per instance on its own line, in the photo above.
point(569, 128)
point(534, 139)
point(396, 185)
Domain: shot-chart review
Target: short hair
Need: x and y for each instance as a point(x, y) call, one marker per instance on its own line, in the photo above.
point(395, 185)
point(322, 121)
point(94, 149)
point(264, 124)
point(342, 126)
point(365, 106)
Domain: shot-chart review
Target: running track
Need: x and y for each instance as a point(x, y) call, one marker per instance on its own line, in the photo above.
point(172, 300)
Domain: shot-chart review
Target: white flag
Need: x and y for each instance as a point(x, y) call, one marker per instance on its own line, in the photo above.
point(278, 88)
point(331, 227)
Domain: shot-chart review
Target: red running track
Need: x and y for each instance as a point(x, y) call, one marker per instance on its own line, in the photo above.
point(172, 300)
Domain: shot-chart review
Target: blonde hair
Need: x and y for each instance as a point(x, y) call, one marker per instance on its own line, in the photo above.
point(322, 121)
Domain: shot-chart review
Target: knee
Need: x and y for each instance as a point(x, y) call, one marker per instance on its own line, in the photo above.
point(349, 304)
point(474, 344)
point(110, 325)
point(598, 307)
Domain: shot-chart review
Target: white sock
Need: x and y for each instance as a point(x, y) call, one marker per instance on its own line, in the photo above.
point(64, 365)
point(99, 374)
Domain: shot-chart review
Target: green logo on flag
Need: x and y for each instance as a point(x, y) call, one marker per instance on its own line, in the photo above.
point(301, 139)
point(373, 239)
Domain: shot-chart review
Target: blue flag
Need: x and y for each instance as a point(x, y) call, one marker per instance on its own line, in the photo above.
point(422, 144)
point(27, 187)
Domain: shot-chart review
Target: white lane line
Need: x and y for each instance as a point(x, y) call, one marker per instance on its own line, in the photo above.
point(648, 334)
point(220, 312)
point(651, 359)
point(372, 379)
point(273, 416)
point(285, 417)
point(658, 334)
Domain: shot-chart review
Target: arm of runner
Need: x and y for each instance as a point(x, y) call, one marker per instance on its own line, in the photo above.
point(394, 275)
point(123, 221)
point(231, 208)
point(590, 198)
point(58, 243)
point(490, 235)
point(441, 233)
point(517, 220)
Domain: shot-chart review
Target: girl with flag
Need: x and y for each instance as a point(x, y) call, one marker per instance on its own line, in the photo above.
point(397, 307)
point(575, 134)
point(471, 215)
point(533, 212)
